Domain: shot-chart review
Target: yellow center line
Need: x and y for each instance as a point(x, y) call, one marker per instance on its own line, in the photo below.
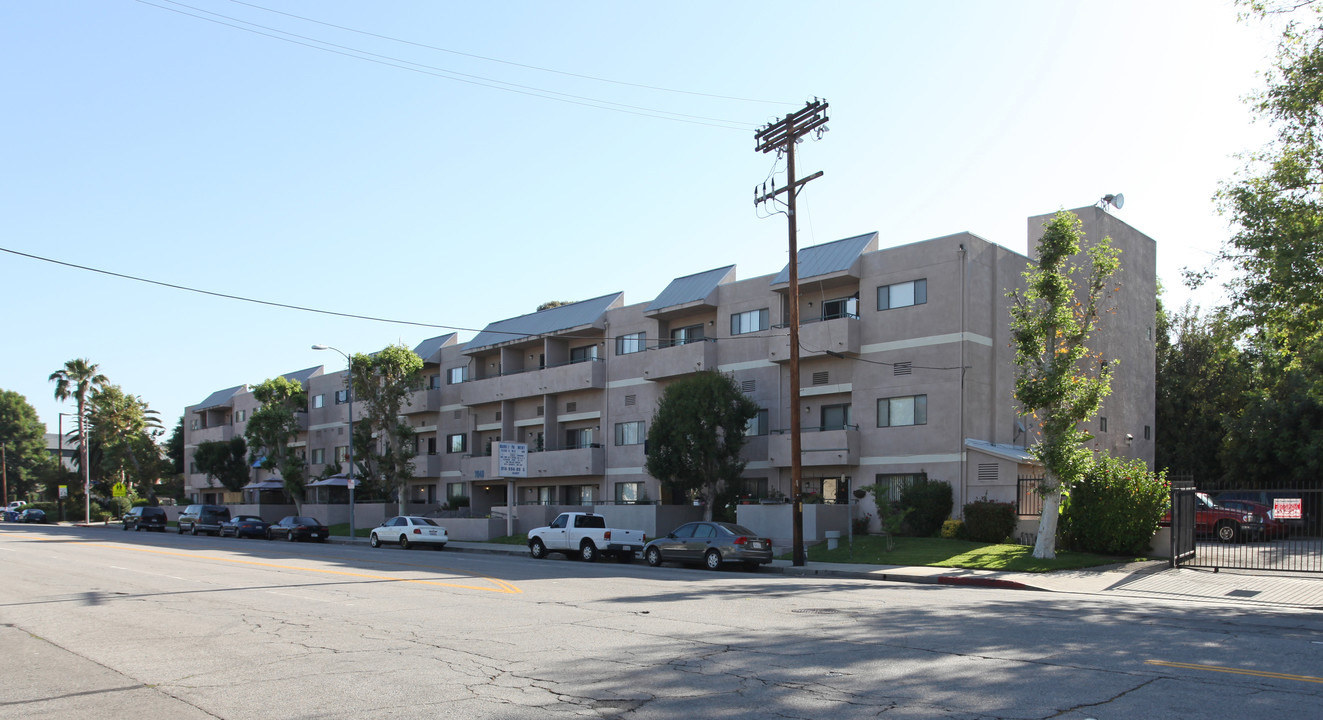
point(1236, 671)
point(501, 585)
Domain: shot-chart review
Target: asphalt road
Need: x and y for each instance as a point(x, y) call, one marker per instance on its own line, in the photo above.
point(99, 623)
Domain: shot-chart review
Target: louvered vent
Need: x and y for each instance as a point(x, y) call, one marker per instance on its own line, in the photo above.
point(749, 386)
point(571, 406)
point(987, 473)
point(498, 416)
point(820, 378)
point(903, 368)
point(458, 414)
point(630, 400)
point(540, 410)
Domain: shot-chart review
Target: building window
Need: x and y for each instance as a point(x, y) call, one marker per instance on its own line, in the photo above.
point(454, 490)
point(192, 467)
point(194, 424)
point(341, 397)
point(583, 354)
point(628, 493)
point(433, 382)
point(455, 376)
point(630, 433)
point(914, 292)
point(318, 456)
point(901, 411)
point(457, 443)
point(241, 415)
point(631, 343)
point(341, 453)
point(318, 400)
point(841, 308)
point(1148, 432)
point(747, 322)
point(431, 445)
point(757, 424)
point(687, 334)
point(1102, 424)
point(895, 483)
point(835, 417)
point(578, 438)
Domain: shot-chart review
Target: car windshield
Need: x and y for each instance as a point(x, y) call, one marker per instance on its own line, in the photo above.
point(422, 521)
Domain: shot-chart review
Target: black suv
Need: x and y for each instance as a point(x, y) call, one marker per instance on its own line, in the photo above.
point(203, 518)
point(145, 518)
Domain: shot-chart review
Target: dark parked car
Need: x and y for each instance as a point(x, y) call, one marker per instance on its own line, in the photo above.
point(145, 518)
point(711, 543)
point(244, 525)
point(296, 527)
point(203, 518)
point(32, 515)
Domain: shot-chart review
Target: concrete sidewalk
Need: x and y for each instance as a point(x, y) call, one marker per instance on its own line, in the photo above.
point(1153, 579)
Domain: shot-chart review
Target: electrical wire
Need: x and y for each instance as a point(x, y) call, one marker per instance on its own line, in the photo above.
point(456, 76)
point(508, 62)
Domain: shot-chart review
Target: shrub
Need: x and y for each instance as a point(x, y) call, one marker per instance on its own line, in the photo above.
point(988, 521)
point(1115, 508)
point(930, 503)
point(861, 524)
point(954, 529)
point(117, 506)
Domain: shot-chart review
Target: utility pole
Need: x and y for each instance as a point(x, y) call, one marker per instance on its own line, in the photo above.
point(781, 136)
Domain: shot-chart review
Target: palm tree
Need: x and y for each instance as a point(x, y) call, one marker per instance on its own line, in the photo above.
point(77, 379)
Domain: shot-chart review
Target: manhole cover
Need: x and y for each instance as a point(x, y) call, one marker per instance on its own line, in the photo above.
point(816, 611)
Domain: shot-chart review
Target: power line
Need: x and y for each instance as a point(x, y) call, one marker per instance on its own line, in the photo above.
point(456, 76)
point(508, 62)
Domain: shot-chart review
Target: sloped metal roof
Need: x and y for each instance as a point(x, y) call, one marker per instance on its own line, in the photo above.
point(828, 258)
point(220, 398)
point(585, 312)
point(302, 376)
point(691, 288)
point(1002, 450)
point(431, 347)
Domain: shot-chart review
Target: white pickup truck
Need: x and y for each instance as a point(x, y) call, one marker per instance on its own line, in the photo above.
point(586, 535)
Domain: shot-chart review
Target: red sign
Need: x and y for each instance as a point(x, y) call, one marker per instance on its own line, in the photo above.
point(1286, 509)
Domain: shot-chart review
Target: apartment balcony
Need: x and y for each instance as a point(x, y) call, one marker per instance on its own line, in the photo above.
point(211, 434)
point(428, 400)
point(817, 447)
point(477, 467)
point(426, 466)
point(571, 462)
point(533, 383)
point(838, 335)
point(681, 359)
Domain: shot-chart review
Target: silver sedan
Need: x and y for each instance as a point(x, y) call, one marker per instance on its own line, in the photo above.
point(711, 543)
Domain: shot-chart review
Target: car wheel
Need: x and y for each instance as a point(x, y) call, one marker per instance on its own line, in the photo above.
point(290, 536)
point(537, 549)
point(193, 529)
point(126, 526)
point(404, 541)
point(588, 551)
point(268, 535)
point(373, 541)
point(712, 560)
point(653, 556)
point(179, 529)
point(1227, 531)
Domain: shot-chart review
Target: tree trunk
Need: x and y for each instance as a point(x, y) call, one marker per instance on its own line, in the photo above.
point(1045, 548)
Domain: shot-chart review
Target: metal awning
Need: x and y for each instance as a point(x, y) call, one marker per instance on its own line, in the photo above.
point(265, 485)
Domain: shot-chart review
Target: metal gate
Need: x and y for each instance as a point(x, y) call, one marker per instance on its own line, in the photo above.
point(1222, 525)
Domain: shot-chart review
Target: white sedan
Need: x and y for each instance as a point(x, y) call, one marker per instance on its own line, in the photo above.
point(409, 531)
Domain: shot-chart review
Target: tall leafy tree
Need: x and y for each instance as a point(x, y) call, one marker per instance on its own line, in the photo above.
point(173, 448)
point(77, 379)
point(1202, 377)
point(123, 433)
point(24, 438)
point(1059, 380)
point(697, 433)
point(225, 461)
point(384, 444)
point(271, 429)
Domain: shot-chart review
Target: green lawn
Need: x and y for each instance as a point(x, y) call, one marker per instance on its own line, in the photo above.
point(510, 540)
point(342, 530)
point(940, 552)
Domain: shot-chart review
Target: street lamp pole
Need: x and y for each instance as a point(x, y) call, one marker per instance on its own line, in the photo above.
point(59, 423)
point(350, 477)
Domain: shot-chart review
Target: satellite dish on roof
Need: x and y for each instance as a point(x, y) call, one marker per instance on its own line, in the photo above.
point(1117, 201)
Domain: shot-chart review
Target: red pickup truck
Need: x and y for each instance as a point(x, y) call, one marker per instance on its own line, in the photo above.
point(1224, 523)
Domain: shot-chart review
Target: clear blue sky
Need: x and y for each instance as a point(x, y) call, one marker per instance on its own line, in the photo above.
point(143, 138)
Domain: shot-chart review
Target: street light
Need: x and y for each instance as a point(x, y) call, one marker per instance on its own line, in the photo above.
point(350, 479)
point(87, 492)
